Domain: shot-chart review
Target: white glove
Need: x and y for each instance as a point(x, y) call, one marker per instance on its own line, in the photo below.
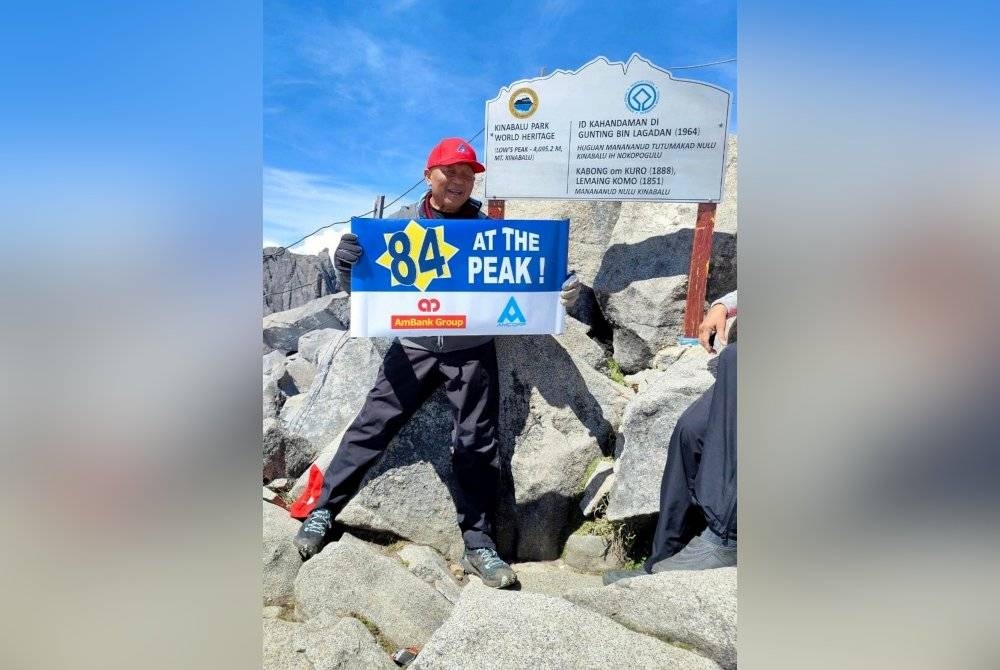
point(570, 291)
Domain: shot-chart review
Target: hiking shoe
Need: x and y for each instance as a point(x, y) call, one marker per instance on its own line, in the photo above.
point(699, 554)
point(312, 535)
point(612, 576)
point(492, 569)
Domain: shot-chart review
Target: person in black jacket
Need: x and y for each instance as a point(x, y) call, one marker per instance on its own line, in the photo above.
point(412, 369)
point(696, 527)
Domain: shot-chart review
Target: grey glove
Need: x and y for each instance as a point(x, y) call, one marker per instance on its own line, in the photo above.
point(570, 291)
point(347, 254)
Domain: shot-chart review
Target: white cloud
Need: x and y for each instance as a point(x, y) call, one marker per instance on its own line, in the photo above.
point(326, 239)
point(359, 67)
point(297, 203)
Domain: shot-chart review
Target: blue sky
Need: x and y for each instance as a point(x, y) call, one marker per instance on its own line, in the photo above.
point(356, 93)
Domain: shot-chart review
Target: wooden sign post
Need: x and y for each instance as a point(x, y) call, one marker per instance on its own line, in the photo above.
point(701, 254)
point(495, 208)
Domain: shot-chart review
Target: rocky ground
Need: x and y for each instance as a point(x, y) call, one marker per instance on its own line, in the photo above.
point(584, 422)
point(356, 602)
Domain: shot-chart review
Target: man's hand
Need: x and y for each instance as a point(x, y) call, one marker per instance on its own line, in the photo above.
point(348, 252)
point(714, 322)
point(570, 291)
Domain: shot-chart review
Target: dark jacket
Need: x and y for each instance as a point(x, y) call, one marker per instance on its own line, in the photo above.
point(470, 210)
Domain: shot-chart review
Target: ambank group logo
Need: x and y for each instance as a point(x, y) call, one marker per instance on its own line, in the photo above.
point(429, 319)
point(642, 97)
point(523, 103)
point(511, 315)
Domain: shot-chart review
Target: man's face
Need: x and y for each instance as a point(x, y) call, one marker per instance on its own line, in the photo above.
point(451, 186)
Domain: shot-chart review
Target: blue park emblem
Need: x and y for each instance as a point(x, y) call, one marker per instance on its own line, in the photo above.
point(511, 315)
point(523, 103)
point(642, 97)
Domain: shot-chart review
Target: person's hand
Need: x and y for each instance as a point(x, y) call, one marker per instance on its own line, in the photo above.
point(714, 322)
point(570, 291)
point(348, 252)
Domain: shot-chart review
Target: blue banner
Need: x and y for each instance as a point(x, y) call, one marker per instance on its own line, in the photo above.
point(469, 277)
point(460, 255)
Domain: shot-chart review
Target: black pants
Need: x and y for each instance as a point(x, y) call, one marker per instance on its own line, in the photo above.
point(699, 481)
point(406, 379)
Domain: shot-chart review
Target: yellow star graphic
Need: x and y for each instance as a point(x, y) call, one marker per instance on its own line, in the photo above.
point(416, 256)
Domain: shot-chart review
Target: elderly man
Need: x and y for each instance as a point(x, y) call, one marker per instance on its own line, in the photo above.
point(412, 369)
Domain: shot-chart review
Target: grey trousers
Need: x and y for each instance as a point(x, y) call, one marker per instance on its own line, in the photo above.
point(406, 379)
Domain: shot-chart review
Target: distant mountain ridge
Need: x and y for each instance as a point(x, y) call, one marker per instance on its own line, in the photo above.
point(292, 280)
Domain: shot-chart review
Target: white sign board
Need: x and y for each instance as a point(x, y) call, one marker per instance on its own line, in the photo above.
point(608, 131)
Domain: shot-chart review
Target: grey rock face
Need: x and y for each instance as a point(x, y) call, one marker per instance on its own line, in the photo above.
point(631, 351)
point(492, 629)
point(722, 268)
point(274, 365)
point(290, 406)
point(281, 559)
point(590, 553)
point(590, 229)
point(427, 564)
point(642, 282)
point(663, 360)
point(409, 500)
point(279, 651)
point(646, 427)
point(345, 372)
point(576, 340)
point(556, 415)
point(291, 279)
point(280, 484)
point(300, 373)
point(283, 329)
point(311, 344)
point(332, 643)
point(274, 454)
point(546, 469)
point(272, 400)
point(640, 380)
point(286, 455)
point(726, 213)
point(597, 489)
point(348, 576)
point(552, 578)
point(697, 608)
point(290, 373)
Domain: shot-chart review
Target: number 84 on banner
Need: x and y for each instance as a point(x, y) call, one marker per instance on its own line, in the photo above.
point(416, 256)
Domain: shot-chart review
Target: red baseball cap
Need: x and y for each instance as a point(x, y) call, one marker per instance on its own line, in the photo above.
point(453, 150)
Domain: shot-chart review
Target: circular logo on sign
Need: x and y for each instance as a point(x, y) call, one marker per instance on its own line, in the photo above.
point(523, 103)
point(642, 97)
